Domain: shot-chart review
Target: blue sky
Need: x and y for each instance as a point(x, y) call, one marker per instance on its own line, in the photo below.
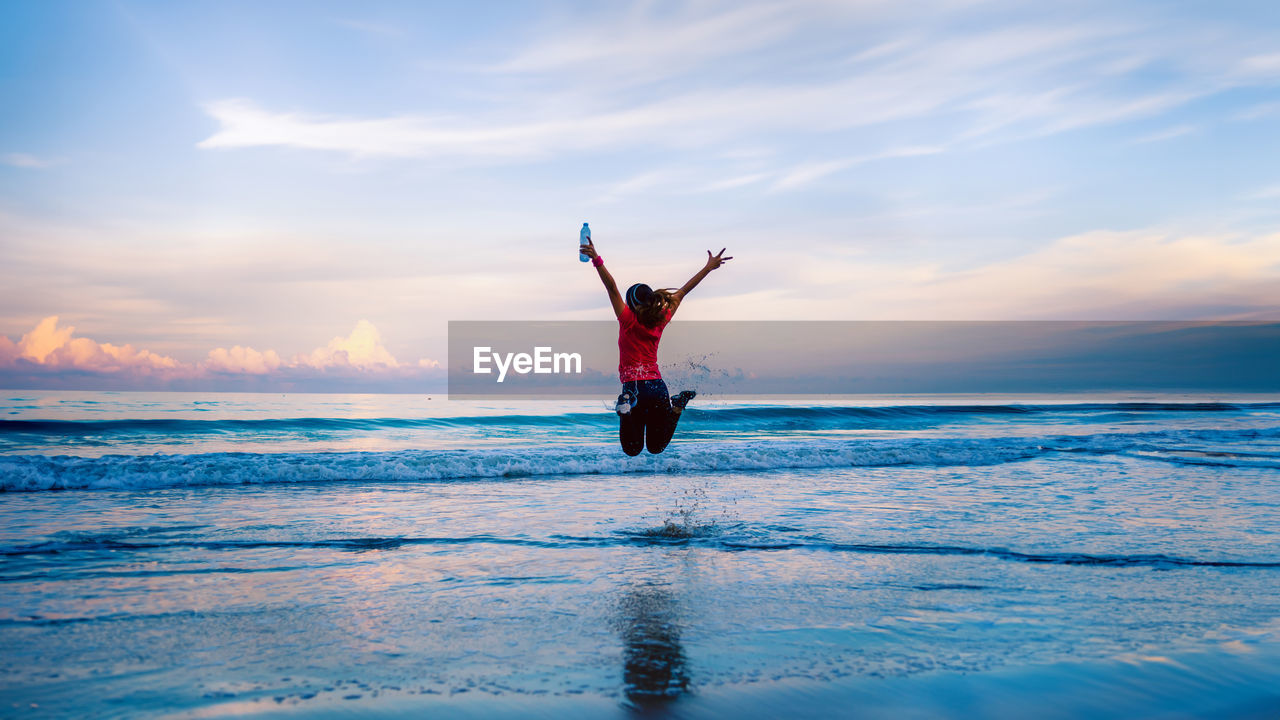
point(185, 178)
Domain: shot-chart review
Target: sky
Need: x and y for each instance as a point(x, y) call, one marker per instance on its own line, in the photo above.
point(231, 195)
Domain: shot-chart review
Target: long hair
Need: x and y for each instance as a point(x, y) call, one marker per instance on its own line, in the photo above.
point(654, 310)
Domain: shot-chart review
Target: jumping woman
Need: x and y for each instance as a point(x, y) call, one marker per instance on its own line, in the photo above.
point(647, 414)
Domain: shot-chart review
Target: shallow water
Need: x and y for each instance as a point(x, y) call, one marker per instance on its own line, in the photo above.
point(886, 553)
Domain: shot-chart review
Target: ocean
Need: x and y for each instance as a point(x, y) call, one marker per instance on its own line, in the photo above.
point(209, 555)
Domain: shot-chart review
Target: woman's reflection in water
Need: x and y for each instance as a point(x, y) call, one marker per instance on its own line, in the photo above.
point(653, 669)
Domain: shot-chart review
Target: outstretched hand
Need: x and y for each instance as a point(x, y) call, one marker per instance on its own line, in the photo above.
point(588, 249)
point(715, 261)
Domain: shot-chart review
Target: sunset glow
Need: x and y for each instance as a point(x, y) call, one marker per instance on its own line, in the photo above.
point(199, 200)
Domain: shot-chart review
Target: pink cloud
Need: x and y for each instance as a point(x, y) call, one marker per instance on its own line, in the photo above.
point(360, 357)
point(8, 352)
point(242, 360)
point(361, 349)
point(51, 346)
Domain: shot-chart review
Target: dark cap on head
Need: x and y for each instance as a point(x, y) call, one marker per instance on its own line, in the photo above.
point(638, 296)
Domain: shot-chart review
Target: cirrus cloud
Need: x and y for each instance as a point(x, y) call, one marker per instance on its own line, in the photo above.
point(981, 77)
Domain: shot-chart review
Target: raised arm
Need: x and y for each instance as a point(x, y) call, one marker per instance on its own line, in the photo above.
point(713, 262)
point(615, 299)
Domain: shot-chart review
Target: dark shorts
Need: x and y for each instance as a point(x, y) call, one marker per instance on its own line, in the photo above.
point(651, 422)
point(650, 394)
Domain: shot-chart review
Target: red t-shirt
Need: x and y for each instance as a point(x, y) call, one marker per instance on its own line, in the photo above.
point(638, 347)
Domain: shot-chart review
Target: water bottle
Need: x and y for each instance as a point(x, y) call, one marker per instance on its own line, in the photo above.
point(584, 237)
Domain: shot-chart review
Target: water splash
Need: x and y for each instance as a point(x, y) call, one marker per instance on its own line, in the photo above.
point(685, 520)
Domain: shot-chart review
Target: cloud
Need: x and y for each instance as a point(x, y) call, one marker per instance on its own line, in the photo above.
point(49, 352)
point(1099, 275)
point(361, 349)
point(8, 352)
point(25, 160)
point(809, 172)
point(1167, 134)
point(359, 352)
point(1139, 274)
point(1267, 193)
point(734, 182)
point(244, 124)
point(51, 346)
point(1258, 111)
point(692, 78)
point(640, 183)
point(638, 42)
point(242, 360)
point(1266, 66)
point(44, 339)
point(806, 173)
